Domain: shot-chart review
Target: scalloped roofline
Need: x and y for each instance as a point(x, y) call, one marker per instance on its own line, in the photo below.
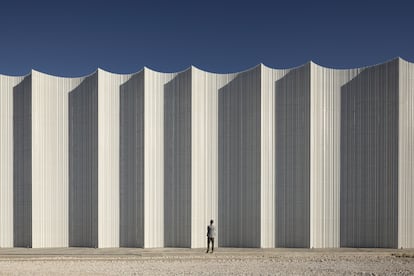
point(206, 71)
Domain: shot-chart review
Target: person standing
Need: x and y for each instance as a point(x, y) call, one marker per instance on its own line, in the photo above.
point(211, 234)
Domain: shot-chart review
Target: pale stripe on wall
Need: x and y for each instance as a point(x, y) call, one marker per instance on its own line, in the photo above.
point(268, 155)
point(325, 139)
point(7, 85)
point(50, 162)
point(108, 157)
point(154, 156)
point(406, 155)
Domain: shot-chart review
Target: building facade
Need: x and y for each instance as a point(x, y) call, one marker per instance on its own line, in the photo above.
point(301, 157)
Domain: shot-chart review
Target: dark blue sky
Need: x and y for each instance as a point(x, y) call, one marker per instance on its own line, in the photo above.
point(73, 38)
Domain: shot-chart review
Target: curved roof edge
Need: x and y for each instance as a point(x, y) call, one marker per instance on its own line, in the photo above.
point(290, 68)
point(119, 74)
point(63, 77)
point(16, 76)
point(199, 69)
point(362, 67)
point(228, 73)
point(162, 72)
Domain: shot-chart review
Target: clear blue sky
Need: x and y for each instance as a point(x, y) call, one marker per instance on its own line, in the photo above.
point(73, 38)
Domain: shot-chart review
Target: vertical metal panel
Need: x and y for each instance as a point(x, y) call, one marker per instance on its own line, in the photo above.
point(83, 163)
point(325, 125)
point(108, 157)
point(239, 160)
point(22, 163)
point(268, 157)
point(204, 145)
point(6, 159)
point(132, 162)
point(177, 161)
point(369, 158)
point(204, 152)
point(154, 156)
point(406, 155)
point(292, 158)
point(50, 159)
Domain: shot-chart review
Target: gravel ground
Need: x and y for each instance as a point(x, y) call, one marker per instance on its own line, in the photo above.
point(301, 263)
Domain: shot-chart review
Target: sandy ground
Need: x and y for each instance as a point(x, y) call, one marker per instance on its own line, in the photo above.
point(195, 262)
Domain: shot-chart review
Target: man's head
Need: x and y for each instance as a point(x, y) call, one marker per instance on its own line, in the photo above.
point(211, 221)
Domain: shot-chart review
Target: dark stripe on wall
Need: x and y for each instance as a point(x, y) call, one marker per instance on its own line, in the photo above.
point(292, 132)
point(239, 161)
point(132, 162)
point(177, 161)
point(83, 164)
point(369, 158)
point(22, 163)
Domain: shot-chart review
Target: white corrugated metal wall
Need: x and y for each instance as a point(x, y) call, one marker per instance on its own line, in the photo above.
point(406, 155)
point(154, 156)
point(269, 77)
point(108, 157)
point(325, 116)
point(50, 159)
point(256, 163)
point(7, 84)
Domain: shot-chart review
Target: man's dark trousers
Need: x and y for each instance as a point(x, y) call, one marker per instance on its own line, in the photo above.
point(208, 244)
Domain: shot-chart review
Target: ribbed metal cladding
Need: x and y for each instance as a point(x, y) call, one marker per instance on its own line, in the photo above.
point(302, 157)
point(22, 163)
point(83, 163)
point(268, 225)
point(131, 163)
point(406, 155)
point(292, 158)
point(50, 159)
point(7, 83)
point(239, 160)
point(154, 156)
point(325, 127)
point(204, 152)
point(177, 161)
point(369, 158)
point(108, 157)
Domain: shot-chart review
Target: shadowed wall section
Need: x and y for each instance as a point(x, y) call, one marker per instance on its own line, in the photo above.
point(239, 161)
point(369, 158)
point(132, 162)
point(177, 161)
point(83, 164)
point(22, 163)
point(292, 158)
